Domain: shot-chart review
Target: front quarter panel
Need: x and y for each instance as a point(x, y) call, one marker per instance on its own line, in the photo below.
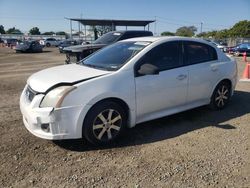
point(119, 84)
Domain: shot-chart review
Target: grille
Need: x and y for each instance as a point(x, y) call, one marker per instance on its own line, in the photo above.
point(30, 94)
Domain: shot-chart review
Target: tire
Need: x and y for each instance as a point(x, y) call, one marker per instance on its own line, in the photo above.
point(104, 123)
point(221, 96)
point(48, 45)
point(237, 54)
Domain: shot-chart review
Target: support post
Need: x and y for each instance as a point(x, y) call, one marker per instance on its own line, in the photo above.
point(70, 29)
point(85, 33)
point(79, 28)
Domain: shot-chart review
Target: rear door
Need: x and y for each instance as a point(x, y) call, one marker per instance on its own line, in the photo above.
point(204, 71)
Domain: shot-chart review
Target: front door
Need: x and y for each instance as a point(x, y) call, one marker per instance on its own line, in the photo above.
point(157, 94)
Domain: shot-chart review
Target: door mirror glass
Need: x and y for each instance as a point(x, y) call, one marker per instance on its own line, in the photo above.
point(148, 69)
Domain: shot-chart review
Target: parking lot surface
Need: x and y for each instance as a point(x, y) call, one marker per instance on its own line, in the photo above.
point(196, 148)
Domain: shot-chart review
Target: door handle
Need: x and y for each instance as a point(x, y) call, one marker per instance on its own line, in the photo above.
point(181, 77)
point(214, 68)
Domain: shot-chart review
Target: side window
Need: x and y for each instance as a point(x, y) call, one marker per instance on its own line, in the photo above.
point(196, 52)
point(165, 56)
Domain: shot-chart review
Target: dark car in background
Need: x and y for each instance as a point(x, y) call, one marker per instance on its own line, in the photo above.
point(79, 52)
point(29, 46)
point(241, 48)
point(66, 43)
point(11, 42)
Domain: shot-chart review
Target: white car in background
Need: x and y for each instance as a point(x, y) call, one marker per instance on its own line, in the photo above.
point(50, 42)
point(129, 82)
point(220, 46)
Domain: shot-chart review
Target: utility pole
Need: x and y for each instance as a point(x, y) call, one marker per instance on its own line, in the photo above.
point(201, 26)
point(155, 27)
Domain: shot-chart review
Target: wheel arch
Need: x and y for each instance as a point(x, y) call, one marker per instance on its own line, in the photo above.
point(119, 101)
point(227, 80)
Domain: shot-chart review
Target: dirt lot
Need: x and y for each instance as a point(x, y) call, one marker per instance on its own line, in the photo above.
point(197, 148)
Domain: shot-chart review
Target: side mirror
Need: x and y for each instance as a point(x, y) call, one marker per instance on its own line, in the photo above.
point(148, 69)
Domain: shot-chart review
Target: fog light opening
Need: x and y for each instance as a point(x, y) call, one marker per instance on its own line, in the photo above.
point(45, 127)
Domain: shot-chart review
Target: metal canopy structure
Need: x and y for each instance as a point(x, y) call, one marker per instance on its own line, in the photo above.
point(102, 22)
point(110, 22)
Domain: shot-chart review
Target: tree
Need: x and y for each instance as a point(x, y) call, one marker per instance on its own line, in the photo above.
point(100, 30)
point(49, 33)
point(34, 31)
point(13, 30)
point(167, 33)
point(60, 33)
point(2, 31)
point(186, 31)
point(222, 34)
point(202, 35)
point(240, 29)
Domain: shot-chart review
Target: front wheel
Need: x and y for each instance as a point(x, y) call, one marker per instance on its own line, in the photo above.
point(104, 123)
point(221, 96)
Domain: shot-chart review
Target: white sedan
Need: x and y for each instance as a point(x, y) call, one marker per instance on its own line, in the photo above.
point(129, 82)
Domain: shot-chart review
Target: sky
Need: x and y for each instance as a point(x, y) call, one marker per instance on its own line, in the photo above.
point(49, 15)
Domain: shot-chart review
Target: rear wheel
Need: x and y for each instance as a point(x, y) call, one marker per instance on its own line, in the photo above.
point(221, 96)
point(48, 45)
point(104, 123)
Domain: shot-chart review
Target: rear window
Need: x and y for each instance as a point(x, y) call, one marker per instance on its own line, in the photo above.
point(196, 52)
point(108, 38)
point(128, 35)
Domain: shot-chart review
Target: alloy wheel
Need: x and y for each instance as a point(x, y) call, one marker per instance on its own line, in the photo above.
point(107, 125)
point(222, 96)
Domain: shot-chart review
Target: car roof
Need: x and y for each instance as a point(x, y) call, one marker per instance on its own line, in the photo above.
point(166, 38)
point(130, 31)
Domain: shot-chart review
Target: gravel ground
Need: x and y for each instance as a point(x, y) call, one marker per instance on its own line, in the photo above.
point(196, 148)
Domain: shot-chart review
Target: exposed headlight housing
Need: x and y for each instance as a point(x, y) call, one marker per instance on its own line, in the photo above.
point(54, 98)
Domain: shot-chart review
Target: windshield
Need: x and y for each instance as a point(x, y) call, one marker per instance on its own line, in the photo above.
point(114, 56)
point(108, 38)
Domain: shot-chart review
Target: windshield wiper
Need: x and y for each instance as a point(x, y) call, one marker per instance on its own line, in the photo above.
point(94, 66)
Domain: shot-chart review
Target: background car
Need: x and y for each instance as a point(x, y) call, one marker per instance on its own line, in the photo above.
point(11, 42)
point(76, 53)
point(29, 46)
point(220, 46)
point(126, 83)
point(50, 42)
point(241, 48)
point(66, 43)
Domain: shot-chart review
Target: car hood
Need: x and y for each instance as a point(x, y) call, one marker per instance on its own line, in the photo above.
point(80, 48)
point(64, 74)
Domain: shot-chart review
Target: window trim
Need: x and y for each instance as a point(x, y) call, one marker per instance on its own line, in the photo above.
point(185, 55)
point(181, 59)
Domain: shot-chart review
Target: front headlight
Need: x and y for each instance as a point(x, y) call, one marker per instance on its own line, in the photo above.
point(54, 98)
